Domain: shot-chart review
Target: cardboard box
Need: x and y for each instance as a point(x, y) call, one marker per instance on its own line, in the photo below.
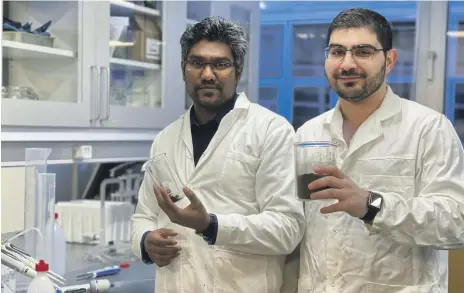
point(147, 39)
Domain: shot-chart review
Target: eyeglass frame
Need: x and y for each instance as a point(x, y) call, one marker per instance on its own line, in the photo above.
point(326, 52)
point(211, 65)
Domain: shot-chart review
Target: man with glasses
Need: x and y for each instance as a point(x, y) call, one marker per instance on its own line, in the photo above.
point(240, 217)
point(396, 196)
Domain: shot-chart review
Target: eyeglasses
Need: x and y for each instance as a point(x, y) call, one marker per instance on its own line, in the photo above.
point(360, 54)
point(215, 66)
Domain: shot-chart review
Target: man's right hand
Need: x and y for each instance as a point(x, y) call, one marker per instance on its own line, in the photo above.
point(160, 248)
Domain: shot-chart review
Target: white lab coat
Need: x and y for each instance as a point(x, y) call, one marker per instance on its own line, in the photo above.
point(246, 178)
point(412, 156)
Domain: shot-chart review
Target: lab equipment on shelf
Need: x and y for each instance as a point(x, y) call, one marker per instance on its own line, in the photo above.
point(19, 93)
point(19, 32)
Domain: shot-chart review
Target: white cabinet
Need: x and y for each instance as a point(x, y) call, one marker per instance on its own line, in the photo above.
point(42, 80)
point(104, 73)
point(141, 85)
point(106, 64)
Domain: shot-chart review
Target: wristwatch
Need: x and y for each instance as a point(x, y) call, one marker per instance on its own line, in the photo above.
point(374, 205)
point(208, 234)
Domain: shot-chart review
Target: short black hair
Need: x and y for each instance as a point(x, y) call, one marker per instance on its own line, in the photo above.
point(215, 28)
point(364, 18)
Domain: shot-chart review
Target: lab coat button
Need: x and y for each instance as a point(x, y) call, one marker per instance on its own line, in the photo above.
point(334, 229)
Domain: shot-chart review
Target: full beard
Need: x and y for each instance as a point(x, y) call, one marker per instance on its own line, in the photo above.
point(209, 102)
point(369, 87)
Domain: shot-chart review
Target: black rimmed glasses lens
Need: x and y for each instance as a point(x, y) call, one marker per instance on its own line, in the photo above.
point(215, 66)
point(360, 54)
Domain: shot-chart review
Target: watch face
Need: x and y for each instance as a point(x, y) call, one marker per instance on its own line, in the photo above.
point(375, 200)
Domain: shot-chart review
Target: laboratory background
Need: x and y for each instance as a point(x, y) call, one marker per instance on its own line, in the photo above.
point(87, 85)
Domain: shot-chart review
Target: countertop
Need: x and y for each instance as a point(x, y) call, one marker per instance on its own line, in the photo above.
point(138, 278)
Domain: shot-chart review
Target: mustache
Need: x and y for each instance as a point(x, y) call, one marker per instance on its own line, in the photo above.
point(349, 73)
point(208, 86)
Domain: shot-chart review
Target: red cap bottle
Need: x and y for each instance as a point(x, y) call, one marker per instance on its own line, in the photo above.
point(41, 266)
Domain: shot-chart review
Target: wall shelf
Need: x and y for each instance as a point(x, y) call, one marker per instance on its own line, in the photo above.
point(191, 21)
point(124, 64)
point(18, 50)
point(126, 8)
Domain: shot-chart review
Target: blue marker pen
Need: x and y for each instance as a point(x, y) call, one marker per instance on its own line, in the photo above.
point(107, 271)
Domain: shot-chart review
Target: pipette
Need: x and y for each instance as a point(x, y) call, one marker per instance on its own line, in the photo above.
point(11, 261)
point(98, 286)
point(107, 271)
point(119, 284)
point(95, 286)
point(29, 261)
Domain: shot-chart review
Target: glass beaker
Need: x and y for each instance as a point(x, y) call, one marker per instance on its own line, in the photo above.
point(307, 155)
point(162, 173)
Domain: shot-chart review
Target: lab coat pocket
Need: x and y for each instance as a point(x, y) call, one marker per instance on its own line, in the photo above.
point(167, 279)
point(403, 185)
point(238, 176)
point(239, 272)
point(359, 251)
point(385, 288)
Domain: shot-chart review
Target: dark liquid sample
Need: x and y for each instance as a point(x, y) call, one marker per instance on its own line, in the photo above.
point(302, 185)
point(175, 198)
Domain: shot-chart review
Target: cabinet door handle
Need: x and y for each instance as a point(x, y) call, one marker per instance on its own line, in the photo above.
point(95, 93)
point(105, 86)
point(431, 57)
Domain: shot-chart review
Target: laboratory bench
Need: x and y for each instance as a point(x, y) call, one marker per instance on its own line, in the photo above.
point(139, 276)
point(113, 64)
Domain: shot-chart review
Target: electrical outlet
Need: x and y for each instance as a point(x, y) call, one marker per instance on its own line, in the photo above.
point(83, 152)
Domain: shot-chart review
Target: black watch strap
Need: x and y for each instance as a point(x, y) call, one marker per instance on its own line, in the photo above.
point(209, 235)
point(374, 204)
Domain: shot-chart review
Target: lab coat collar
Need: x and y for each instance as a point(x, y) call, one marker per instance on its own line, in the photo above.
point(391, 105)
point(372, 127)
point(226, 108)
point(241, 104)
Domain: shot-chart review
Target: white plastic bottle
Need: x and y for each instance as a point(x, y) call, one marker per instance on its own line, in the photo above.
point(41, 283)
point(58, 263)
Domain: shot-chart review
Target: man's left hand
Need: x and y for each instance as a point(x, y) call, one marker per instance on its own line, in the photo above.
point(194, 216)
point(351, 198)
